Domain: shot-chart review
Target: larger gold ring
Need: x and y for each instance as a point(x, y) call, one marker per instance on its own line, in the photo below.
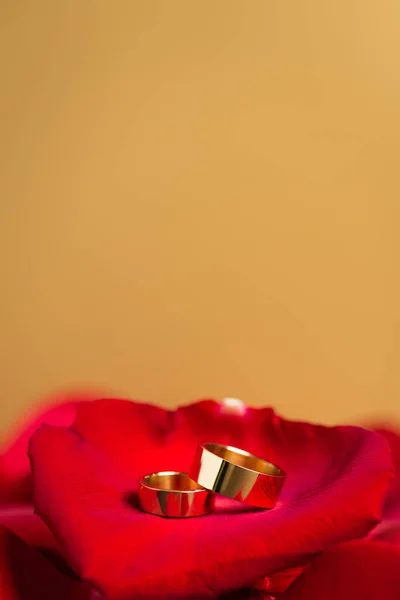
point(173, 494)
point(237, 474)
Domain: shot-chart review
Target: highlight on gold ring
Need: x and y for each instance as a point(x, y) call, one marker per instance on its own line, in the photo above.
point(173, 494)
point(237, 474)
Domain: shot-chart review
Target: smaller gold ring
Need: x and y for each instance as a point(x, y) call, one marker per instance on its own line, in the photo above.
point(237, 474)
point(173, 494)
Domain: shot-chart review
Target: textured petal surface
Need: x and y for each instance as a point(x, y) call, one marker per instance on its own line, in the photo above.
point(359, 570)
point(26, 575)
point(85, 479)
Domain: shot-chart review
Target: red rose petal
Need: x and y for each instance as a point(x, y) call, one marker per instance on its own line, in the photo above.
point(359, 570)
point(85, 478)
point(392, 503)
point(26, 575)
point(389, 529)
point(15, 476)
point(279, 582)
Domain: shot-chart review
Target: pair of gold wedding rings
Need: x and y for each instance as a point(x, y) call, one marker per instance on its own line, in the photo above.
point(225, 470)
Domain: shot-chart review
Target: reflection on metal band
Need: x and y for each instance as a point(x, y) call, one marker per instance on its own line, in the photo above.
point(173, 494)
point(237, 474)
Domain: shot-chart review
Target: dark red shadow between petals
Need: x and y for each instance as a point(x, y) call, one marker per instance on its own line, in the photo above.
point(21, 520)
point(359, 570)
point(26, 575)
point(389, 529)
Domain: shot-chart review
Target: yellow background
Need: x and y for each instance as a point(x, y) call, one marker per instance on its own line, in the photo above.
point(201, 199)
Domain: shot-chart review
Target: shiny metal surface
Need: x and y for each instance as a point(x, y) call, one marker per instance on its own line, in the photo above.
point(237, 474)
point(173, 494)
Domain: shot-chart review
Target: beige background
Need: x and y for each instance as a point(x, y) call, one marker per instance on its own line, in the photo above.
point(201, 199)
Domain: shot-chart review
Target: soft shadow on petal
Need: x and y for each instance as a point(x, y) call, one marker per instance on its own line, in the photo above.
point(359, 570)
point(26, 575)
point(83, 475)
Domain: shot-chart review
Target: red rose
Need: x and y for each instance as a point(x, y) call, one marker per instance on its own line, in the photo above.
point(85, 474)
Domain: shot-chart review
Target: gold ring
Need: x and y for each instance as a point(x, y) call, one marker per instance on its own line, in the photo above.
point(237, 474)
point(173, 494)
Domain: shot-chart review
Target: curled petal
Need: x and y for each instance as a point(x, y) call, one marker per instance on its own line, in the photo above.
point(15, 476)
point(85, 479)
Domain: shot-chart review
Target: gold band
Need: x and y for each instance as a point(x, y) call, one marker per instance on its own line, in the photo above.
point(237, 474)
point(173, 494)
